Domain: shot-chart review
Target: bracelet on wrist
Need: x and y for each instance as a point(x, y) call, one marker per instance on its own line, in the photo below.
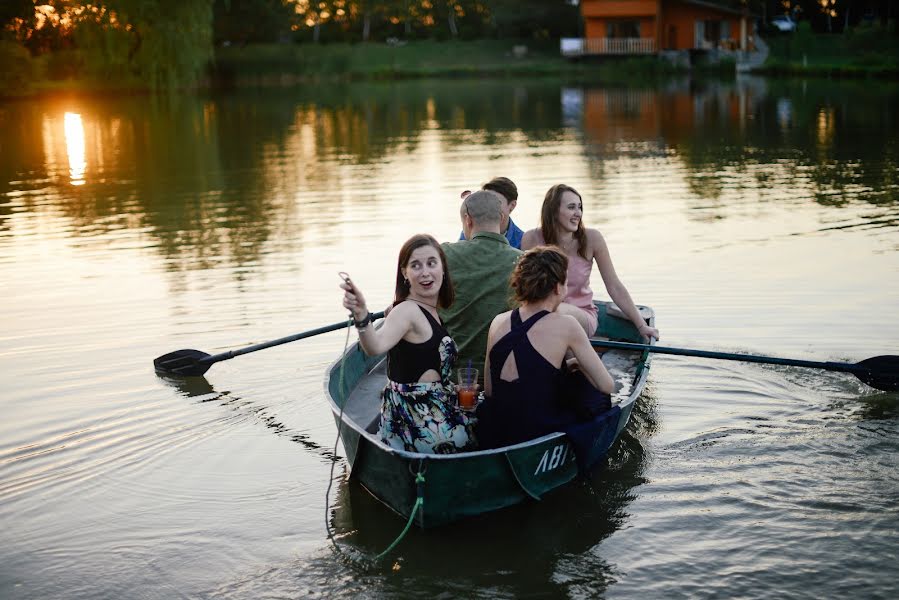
point(364, 322)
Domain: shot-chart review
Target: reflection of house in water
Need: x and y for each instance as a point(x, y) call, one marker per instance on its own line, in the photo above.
point(630, 120)
point(631, 27)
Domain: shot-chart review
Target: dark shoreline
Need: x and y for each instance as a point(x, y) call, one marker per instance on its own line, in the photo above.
point(290, 65)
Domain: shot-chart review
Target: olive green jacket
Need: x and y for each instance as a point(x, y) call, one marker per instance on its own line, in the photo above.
point(480, 269)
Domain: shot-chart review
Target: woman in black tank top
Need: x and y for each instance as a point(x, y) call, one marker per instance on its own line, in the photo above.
point(419, 412)
point(526, 382)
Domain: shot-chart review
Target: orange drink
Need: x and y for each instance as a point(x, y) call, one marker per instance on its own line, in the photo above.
point(467, 389)
point(466, 397)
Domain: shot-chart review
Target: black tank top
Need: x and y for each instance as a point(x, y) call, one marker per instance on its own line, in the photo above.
point(527, 407)
point(407, 362)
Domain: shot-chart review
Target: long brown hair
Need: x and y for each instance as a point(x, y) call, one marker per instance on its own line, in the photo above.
point(549, 218)
point(447, 292)
point(537, 273)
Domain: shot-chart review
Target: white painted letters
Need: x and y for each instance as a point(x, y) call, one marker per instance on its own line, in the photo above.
point(551, 459)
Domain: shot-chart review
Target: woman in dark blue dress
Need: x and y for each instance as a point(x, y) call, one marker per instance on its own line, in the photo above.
point(528, 384)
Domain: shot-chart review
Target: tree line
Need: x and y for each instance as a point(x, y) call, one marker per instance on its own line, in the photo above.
point(245, 21)
point(169, 43)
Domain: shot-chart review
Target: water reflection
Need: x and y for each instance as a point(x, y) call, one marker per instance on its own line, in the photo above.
point(534, 547)
point(74, 131)
point(208, 181)
point(528, 545)
point(199, 389)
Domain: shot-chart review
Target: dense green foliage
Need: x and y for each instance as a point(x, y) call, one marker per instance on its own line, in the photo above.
point(168, 43)
point(379, 20)
point(867, 50)
point(248, 21)
point(130, 43)
point(283, 64)
point(161, 44)
point(16, 68)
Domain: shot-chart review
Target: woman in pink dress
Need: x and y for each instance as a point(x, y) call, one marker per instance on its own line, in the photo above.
point(561, 225)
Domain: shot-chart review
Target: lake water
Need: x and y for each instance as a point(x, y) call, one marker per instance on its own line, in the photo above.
point(754, 216)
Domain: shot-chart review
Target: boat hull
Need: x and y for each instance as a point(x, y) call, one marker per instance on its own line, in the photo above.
point(456, 486)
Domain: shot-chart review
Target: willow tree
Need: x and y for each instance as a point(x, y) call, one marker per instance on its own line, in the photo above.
point(162, 43)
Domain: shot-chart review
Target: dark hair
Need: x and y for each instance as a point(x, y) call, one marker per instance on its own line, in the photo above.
point(538, 272)
point(447, 292)
point(502, 186)
point(549, 218)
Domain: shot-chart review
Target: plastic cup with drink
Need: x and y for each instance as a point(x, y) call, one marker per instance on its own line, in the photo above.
point(467, 388)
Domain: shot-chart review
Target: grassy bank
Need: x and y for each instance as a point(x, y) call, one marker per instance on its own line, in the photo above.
point(377, 60)
point(264, 65)
point(283, 64)
point(863, 52)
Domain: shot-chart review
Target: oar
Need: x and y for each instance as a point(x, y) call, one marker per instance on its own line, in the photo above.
point(195, 362)
point(881, 372)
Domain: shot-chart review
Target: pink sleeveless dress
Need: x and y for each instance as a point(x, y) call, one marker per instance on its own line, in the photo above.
point(578, 293)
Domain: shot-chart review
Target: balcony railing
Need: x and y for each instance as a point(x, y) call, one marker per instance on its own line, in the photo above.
point(580, 46)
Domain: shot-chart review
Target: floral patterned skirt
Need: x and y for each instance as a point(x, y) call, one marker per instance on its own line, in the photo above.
point(424, 417)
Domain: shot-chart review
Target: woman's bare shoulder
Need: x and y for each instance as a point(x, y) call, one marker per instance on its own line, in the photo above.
point(407, 312)
point(596, 243)
point(594, 236)
point(500, 325)
point(556, 321)
point(565, 325)
point(530, 239)
point(501, 319)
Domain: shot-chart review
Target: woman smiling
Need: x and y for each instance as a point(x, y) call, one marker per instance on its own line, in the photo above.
point(562, 225)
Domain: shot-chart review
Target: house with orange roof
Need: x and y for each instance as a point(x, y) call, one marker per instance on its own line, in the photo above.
point(631, 27)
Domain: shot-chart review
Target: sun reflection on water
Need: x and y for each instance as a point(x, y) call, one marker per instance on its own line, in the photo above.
point(74, 130)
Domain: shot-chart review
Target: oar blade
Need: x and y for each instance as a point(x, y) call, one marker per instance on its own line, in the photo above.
point(881, 372)
point(182, 362)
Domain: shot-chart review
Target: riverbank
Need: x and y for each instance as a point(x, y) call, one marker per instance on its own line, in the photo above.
point(283, 65)
point(860, 54)
point(864, 52)
point(274, 64)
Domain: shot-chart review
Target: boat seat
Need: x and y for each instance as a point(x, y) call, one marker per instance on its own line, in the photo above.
point(363, 407)
point(613, 311)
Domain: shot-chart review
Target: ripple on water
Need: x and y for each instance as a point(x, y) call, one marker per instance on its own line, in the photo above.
point(763, 509)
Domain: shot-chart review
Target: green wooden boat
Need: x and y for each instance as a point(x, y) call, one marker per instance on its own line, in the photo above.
point(439, 488)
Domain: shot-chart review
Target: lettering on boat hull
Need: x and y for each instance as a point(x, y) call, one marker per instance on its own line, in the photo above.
point(552, 459)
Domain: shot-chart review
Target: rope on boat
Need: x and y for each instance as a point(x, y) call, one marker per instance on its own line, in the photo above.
point(419, 476)
point(419, 501)
point(346, 345)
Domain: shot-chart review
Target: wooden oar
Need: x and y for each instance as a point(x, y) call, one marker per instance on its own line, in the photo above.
point(195, 362)
point(881, 372)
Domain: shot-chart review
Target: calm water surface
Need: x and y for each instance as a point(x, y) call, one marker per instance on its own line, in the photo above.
point(755, 216)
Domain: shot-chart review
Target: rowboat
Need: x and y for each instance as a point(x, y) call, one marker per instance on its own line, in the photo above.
point(436, 489)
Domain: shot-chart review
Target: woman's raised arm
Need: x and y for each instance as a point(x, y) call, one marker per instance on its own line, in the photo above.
point(615, 288)
point(376, 341)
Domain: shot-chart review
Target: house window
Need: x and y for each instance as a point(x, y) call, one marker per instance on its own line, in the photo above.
point(712, 31)
point(717, 30)
point(623, 29)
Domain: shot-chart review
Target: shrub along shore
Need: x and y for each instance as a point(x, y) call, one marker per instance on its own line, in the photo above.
point(859, 54)
point(278, 63)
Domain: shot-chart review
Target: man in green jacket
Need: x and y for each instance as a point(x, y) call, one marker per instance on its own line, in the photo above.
point(480, 267)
